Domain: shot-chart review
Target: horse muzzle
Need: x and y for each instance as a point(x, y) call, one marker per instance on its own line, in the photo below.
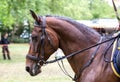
point(34, 70)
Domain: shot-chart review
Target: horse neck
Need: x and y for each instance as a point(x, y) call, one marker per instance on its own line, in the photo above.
point(72, 39)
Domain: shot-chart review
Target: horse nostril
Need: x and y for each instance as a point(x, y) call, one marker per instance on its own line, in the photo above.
point(28, 69)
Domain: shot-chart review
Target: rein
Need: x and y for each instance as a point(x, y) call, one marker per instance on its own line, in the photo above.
point(80, 51)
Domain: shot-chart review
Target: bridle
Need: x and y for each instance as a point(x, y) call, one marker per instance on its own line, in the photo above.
point(40, 58)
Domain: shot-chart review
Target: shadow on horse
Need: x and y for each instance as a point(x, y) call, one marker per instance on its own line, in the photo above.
point(53, 32)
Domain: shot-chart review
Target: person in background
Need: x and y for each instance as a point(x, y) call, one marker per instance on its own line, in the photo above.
point(5, 49)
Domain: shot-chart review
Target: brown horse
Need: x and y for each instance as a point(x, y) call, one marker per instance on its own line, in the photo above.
point(53, 32)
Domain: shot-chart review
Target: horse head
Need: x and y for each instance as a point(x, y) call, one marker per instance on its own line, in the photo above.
point(44, 42)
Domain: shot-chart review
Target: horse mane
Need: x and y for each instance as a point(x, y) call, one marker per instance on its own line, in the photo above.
point(81, 27)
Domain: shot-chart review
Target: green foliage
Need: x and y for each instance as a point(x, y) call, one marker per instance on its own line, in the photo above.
point(14, 12)
point(19, 40)
point(100, 9)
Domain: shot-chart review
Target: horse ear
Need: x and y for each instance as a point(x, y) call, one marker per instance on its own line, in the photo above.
point(34, 15)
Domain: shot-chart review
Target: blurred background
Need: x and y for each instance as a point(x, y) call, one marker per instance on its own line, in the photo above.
point(15, 19)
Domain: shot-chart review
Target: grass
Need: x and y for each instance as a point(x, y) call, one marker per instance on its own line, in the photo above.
point(14, 70)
